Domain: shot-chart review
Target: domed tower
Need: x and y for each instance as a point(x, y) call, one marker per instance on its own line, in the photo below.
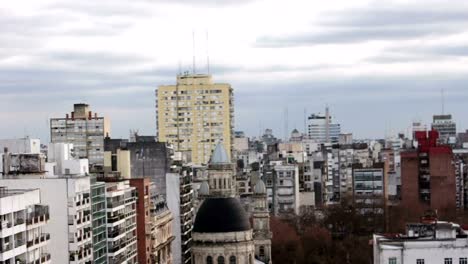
point(221, 233)
point(221, 178)
point(261, 224)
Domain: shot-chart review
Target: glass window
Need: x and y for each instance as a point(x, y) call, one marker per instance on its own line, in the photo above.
point(420, 261)
point(220, 260)
point(392, 260)
point(463, 261)
point(447, 260)
point(232, 260)
point(209, 260)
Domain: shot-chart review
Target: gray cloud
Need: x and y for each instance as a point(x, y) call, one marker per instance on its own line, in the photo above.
point(376, 23)
point(421, 53)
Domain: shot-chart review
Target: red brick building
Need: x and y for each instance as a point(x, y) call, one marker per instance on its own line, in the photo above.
point(428, 180)
point(142, 186)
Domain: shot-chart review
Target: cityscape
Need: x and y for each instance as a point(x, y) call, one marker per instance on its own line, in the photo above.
point(113, 157)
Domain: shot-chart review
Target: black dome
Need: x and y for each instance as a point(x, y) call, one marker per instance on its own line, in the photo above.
point(219, 215)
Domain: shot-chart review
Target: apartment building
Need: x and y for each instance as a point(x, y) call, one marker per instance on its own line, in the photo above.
point(85, 130)
point(69, 204)
point(23, 238)
point(121, 221)
point(99, 218)
point(195, 114)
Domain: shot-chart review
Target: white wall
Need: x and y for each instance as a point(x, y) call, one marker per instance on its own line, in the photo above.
point(54, 193)
point(173, 202)
point(21, 145)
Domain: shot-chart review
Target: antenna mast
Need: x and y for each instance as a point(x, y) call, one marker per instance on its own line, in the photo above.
point(207, 54)
point(443, 100)
point(193, 51)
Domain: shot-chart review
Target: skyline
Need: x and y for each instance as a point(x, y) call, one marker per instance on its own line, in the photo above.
point(395, 57)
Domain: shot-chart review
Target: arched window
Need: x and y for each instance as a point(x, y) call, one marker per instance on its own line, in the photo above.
point(250, 259)
point(220, 260)
point(262, 252)
point(209, 260)
point(232, 260)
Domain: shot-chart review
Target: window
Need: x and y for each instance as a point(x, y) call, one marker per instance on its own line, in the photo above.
point(262, 252)
point(209, 260)
point(232, 260)
point(420, 261)
point(447, 260)
point(392, 260)
point(220, 260)
point(463, 261)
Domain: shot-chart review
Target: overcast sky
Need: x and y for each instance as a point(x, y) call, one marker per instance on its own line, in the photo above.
point(379, 65)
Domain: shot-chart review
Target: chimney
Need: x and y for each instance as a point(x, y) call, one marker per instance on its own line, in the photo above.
point(73, 115)
point(67, 116)
point(90, 115)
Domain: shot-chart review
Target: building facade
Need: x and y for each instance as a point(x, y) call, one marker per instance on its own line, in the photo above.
point(69, 204)
point(428, 178)
point(446, 127)
point(423, 243)
point(23, 238)
point(99, 218)
point(121, 221)
point(83, 129)
point(322, 129)
point(195, 114)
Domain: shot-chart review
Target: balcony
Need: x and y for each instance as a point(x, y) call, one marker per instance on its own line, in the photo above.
point(38, 240)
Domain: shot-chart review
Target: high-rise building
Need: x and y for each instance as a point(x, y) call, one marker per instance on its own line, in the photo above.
point(85, 130)
point(195, 114)
point(180, 203)
point(369, 188)
point(322, 129)
point(99, 218)
point(69, 204)
point(428, 179)
point(143, 203)
point(121, 221)
point(23, 218)
point(446, 127)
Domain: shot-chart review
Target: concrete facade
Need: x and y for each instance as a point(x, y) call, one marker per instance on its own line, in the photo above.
point(195, 114)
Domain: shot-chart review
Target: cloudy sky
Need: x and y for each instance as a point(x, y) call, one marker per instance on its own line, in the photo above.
point(379, 65)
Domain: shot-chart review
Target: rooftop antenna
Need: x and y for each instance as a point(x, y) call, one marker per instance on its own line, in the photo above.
point(207, 54)
point(443, 100)
point(286, 124)
point(305, 121)
point(193, 51)
point(327, 124)
point(180, 68)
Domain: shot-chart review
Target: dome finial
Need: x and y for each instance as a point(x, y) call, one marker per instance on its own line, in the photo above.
point(220, 156)
point(260, 187)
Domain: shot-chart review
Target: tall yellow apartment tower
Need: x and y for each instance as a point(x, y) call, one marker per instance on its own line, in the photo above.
point(195, 114)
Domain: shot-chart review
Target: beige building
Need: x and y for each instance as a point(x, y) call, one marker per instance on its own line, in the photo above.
point(85, 130)
point(195, 114)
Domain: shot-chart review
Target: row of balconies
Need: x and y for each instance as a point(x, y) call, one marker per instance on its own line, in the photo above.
point(42, 238)
point(45, 258)
point(87, 252)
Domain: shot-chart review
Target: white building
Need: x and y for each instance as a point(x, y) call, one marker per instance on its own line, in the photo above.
point(432, 243)
point(180, 203)
point(285, 195)
point(62, 160)
point(69, 204)
point(322, 129)
point(22, 220)
point(121, 222)
point(21, 145)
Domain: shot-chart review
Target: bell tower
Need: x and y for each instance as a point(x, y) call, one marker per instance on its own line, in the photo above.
point(261, 224)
